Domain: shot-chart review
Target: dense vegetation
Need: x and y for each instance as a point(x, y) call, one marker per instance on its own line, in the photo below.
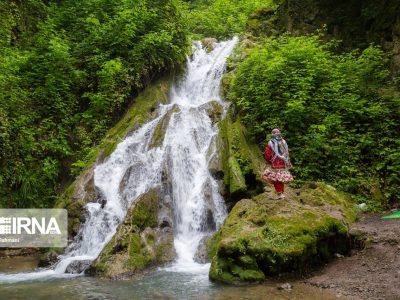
point(67, 71)
point(339, 112)
point(222, 18)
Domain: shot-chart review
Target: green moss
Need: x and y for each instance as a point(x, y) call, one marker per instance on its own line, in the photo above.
point(263, 235)
point(236, 179)
point(145, 212)
point(212, 244)
point(139, 256)
point(242, 161)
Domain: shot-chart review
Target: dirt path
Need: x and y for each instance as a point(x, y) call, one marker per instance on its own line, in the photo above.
point(373, 272)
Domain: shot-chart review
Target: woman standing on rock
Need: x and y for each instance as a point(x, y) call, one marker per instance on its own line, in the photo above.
point(278, 161)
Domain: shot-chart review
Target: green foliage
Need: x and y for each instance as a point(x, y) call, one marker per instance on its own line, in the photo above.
point(67, 72)
point(222, 18)
point(341, 125)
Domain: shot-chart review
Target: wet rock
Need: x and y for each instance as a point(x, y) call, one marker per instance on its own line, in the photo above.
point(132, 175)
point(103, 203)
point(285, 287)
point(48, 259)
point(78, 194)
point(165, 213)
point(209, 43)
point(214, 110)
point(214, 161)
point(84, 186)
point(208, 223)
point(242, 161)
point(161, 128)
point(78, 266)
point(201, 255)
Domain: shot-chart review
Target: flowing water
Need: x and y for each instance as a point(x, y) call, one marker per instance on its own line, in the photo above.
point(187, 147)
point(185, 152)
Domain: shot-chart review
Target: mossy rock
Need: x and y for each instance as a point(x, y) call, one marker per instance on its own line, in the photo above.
point(143, 108)
point(161, 128)
point(242, 161)
point(139, 242)
point(214, 110)
point(264, 237)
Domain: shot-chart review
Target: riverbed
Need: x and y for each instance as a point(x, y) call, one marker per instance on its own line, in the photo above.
point(158, 284)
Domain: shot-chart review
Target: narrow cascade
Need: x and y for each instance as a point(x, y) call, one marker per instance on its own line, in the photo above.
point(185, 152)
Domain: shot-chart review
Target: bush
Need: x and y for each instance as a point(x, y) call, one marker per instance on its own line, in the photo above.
point(341, 125)
point(222, 18)
point(68, 81)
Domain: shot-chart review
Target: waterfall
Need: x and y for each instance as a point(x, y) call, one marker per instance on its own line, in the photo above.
point(188, 144)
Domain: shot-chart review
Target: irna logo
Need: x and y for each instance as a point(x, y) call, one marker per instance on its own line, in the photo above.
point(25, 225)
point(33, 228)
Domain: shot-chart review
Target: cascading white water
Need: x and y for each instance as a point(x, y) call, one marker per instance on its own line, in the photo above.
point(185, 149)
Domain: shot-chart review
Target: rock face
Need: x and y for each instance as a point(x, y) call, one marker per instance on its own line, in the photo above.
point(161, 128)
point(241, 162)
point(143, 240)
point(264, 237)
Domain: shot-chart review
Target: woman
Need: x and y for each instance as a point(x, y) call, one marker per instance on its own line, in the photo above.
point(278, 161)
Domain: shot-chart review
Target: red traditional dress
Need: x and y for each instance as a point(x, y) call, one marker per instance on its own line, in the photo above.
point(277, 156)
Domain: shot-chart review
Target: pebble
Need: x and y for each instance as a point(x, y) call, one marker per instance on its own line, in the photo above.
point(285, 287)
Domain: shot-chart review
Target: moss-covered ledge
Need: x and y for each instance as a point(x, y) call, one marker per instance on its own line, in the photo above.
point(264, 237)
point(241, 161)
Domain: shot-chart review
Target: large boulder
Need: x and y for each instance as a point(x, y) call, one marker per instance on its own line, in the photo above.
point(264, 237)
point(142, 241)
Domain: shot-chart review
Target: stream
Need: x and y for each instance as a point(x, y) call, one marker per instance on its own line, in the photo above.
point(198, 208)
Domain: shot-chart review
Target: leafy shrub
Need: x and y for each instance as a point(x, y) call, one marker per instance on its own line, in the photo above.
point(341, 125)
point(68, 81)
point(222, 18)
